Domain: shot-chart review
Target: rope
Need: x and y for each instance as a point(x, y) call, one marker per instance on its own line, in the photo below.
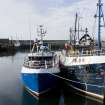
point(98, 86)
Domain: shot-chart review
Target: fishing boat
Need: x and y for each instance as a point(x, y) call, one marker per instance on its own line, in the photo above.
point(82, 63)
point(39, 67)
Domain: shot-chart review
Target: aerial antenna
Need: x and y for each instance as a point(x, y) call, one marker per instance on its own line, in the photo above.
point(100, 16)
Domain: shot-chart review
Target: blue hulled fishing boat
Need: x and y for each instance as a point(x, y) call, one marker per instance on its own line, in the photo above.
point(39, 67)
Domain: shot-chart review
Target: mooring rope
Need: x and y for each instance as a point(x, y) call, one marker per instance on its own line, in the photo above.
point(100, 97)
point(98, 86)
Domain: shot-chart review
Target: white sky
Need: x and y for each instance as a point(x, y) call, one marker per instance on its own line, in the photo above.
point(20, 17)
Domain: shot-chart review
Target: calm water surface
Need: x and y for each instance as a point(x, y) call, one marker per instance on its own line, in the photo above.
point(13, 93)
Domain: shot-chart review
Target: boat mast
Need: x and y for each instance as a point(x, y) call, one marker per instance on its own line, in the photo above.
point(75, 28)
point(70, 36)
point(41, 33)
point(100, 16)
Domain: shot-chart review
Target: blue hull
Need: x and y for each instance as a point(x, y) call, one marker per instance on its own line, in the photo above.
point(39, 83)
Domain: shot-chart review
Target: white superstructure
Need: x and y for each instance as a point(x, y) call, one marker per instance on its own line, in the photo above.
point(45, 62)
point(96, 57)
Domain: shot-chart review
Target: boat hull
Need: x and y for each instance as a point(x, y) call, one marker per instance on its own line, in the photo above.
point(88, 79)
point(40, 83)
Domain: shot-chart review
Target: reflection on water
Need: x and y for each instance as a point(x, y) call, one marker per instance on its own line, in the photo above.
point(56, 98)
point(49, 99)
point(27, 99)
point(13, 93)
point(2, 54)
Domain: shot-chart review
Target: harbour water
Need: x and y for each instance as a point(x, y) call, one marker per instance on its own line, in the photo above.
point(12, 91)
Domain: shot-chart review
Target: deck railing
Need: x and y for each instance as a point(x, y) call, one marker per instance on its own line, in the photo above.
point(39, 64)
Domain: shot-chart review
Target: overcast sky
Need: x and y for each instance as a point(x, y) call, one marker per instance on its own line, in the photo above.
point(20, 18)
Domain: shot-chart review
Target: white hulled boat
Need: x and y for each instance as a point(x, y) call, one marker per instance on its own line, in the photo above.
point(83, 66)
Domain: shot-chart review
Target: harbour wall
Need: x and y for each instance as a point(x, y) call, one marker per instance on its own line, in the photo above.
point(11, 45)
